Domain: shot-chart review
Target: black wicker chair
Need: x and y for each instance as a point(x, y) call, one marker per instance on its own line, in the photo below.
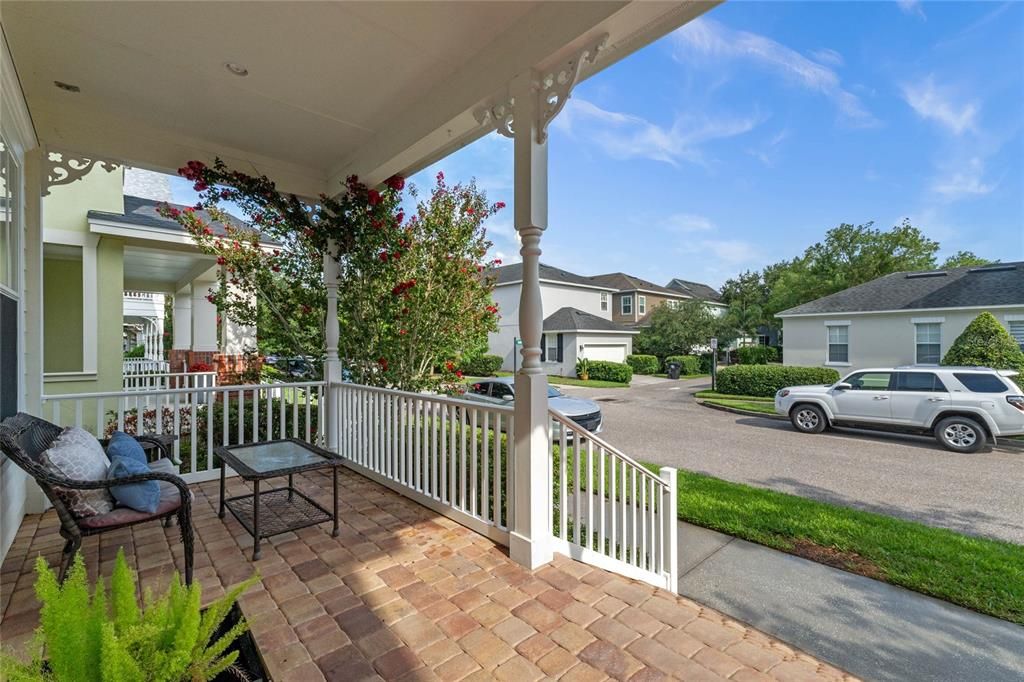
point(24, 439)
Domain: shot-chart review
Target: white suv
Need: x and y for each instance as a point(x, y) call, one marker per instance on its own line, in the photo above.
point(963, 407)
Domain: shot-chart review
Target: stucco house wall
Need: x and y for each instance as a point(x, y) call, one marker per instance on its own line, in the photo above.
point(877, 339)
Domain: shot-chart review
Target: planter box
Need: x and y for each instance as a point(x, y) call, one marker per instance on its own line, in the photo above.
point(249, 659)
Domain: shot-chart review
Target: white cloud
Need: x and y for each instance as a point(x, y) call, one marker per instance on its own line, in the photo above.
point(768, 151)
point(730, 252)
point(626, 136)
point(706, 37)
point(933, 102)
point(911, 7)
point(688, 222)
point(964, 182)
point(827, 55)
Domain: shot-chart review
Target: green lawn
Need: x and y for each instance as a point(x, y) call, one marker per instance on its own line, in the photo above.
point(749, 405)
point(703, 395)
point(980, 574)
point(592, 383)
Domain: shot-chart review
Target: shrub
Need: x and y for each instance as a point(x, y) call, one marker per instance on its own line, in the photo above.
point(108, 637)
point(757, 355)
point(986, 343)
point(136, 352)
point(481, 365)
point(705, 363)
point(583, 369)
point(691, 364)
point(765, 380)
point(603, 370)
point(643, 364)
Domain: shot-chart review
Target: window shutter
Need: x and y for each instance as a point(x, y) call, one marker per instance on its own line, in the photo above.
point(559, 348)
point(543, 347)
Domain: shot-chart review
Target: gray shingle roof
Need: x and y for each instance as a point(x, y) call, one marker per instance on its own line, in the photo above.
point(697, 290)
point(514, 273)
point(994, 285)
point(139, 211)
point(573, 319)
point(624, 282)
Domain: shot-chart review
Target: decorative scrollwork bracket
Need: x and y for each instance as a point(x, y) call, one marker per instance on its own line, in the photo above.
point(63, 168)
point(552, 90)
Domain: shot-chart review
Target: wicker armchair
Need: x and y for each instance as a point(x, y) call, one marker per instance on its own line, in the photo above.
point(24, 439)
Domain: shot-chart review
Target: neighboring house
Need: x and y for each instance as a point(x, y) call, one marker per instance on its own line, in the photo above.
point(701, 292)
point(577, 300)
point(902, 319)
point(635, 298)
point(109, 259)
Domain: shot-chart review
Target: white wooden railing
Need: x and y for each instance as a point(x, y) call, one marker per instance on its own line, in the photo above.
point(144, 366)
point(149, 381)
point(202, 418)
point(609, 510)
point(450, 455)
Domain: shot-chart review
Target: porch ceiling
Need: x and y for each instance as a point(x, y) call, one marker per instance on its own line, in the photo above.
point(333, 87)
point(163, 270)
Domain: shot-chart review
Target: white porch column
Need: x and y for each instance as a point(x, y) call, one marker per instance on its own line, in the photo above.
point(530, 538)
point(182, 318)
point(238, 338)
point(204, 317)
point(332, 363)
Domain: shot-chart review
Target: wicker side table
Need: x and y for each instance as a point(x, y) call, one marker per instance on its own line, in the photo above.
point(272, 511)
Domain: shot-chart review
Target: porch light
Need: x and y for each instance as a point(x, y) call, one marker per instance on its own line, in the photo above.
point(236, 69)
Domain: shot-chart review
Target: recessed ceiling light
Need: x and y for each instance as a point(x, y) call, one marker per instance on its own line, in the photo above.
point(67, 86)
point(236, 69)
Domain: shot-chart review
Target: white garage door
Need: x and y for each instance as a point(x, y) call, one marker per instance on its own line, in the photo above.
point(602, 351)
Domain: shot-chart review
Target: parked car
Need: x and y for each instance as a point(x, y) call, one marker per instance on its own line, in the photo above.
point(501, 391)
point(963, 407)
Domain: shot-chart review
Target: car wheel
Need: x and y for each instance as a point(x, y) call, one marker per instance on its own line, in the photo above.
point(808, 419)
point(960, 434)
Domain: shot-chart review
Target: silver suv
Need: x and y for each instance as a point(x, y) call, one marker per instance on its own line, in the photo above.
point(963, 407)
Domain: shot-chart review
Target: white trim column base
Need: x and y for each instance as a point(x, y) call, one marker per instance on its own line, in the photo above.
point(530, 529)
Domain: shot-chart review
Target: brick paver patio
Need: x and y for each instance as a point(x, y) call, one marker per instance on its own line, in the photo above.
point(405, 594)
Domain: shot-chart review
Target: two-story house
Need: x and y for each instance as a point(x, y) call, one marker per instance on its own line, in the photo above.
point(578, 320)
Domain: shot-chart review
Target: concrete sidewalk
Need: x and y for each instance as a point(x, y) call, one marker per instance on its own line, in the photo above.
point(871, 629)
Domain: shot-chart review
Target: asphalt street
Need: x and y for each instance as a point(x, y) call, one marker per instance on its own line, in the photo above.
point(909, 477)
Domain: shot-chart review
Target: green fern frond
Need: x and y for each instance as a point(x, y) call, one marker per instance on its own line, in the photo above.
point(123, 599)
point(118, 663)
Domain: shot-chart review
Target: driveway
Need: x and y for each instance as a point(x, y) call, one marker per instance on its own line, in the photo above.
point(903, 476)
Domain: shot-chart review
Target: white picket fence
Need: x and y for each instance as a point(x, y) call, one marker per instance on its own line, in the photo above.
point(166, 380)
point(198, 417)
point(450, 455)
point(144, 366)
point(609, 510)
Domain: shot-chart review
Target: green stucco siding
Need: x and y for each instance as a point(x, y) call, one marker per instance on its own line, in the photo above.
point(62, 315)
point(67, 206)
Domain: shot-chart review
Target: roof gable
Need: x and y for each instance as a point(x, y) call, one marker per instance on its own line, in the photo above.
point(143, 212)
point(573, 319)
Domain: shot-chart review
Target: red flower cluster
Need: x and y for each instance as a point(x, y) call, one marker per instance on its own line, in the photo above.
point(395, 182)
point(193, 170)
point(383, 256)
point(493, 309)
point(373, 197)
point(402, 287)
point(383, 362)
point(221, 260)
point(497, 261)
point(500, 205)
point(450, 366)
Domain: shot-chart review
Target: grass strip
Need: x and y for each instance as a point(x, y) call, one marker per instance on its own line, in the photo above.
point(590, 383)
point(981, 574)
point(748, 405)
point(704, 395)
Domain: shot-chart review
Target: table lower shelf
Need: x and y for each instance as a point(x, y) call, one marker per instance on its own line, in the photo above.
point(281, 510)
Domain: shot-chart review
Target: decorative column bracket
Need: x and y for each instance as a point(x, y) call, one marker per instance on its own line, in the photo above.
point(552, 90)
point(63, 168)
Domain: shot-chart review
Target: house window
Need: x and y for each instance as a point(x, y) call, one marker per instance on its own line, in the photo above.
point(1017, 331)
point(627, 305)
point(641, 305)
point(10, 182)
point(604, 301)
point(764, 340)
point(928, 339)
point(551, 340)
point(839, 344)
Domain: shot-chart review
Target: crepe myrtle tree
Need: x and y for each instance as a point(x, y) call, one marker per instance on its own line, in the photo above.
point(413, 295)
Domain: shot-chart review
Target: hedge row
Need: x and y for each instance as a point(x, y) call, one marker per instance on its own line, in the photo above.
point(603, 370)
point(766, 380)
point(643, 364)
point(481, 366)
point(691, 364)
point(757, 355)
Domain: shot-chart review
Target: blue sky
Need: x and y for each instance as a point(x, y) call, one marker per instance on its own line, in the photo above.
point(741, 138)
point(738, 140)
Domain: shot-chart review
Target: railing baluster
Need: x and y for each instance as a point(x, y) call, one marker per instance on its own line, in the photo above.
point(78, 413)
point(442, 464)
point(600, 498)
point(255, 415)
point(485, 436)
point(563, 482)
point(496, 460)
point(463, 485)
point(473, 470)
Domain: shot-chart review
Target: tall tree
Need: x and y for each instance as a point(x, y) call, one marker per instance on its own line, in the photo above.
point(677, 331)
point(962, 259)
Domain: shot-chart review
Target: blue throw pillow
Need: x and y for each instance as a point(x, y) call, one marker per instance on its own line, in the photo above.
point(123, 445)
point(143, 496)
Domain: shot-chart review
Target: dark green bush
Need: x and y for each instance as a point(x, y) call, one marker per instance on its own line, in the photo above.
point(757, 355)
point(603, 370)
point(705, 363)
point(986, 343)
point(481, 365)
point(765, 380)
point(643, 364)
point(691, 364)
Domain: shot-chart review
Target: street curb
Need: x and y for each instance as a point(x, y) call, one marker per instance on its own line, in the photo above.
point(746, 413)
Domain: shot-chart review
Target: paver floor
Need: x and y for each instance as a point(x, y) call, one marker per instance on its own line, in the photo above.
point(406, 594)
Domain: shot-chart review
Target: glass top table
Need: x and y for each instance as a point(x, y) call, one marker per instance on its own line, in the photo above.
point(272, 511)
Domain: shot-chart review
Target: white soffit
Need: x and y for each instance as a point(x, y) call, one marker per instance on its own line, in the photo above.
point(333, 87)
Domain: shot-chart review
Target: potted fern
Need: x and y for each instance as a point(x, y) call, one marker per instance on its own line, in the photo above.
point(109, 638)
point(583, 369)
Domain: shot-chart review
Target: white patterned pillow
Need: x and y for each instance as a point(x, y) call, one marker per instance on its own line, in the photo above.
point(77, 454)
